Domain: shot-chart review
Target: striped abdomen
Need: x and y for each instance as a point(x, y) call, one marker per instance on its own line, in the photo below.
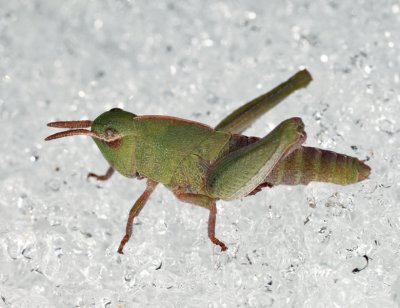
point(308, 164)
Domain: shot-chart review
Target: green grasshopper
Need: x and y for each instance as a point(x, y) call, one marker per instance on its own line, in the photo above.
point(202, 165)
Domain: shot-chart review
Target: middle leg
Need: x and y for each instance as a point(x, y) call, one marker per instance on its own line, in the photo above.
point(207, 203)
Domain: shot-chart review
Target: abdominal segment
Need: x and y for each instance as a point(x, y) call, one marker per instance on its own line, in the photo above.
point(308, 164)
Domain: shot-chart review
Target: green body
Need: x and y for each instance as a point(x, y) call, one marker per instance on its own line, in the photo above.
point(187, 155)
point(201, 165)
point(167, 150)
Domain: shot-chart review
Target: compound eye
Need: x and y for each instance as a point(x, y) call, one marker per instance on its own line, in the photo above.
point(114, 135)
point(115, 109)
point(110, 132)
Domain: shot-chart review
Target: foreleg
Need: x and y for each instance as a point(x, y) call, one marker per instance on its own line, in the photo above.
point(104, 177)
point(135, 210)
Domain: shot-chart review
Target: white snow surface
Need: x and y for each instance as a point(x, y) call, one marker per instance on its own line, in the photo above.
point(288, 246)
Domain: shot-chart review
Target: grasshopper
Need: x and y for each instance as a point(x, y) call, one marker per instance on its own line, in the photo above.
point(202, 165)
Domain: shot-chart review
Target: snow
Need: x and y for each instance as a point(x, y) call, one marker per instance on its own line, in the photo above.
point(288, 246)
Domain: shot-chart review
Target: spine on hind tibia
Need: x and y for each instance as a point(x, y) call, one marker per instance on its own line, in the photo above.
point(308, 164)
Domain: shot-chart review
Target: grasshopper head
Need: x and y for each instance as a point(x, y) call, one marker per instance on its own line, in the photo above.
point(113, 132)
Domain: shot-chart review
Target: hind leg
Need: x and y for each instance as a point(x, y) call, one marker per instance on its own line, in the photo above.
point(241, 171)
point(245, 115)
